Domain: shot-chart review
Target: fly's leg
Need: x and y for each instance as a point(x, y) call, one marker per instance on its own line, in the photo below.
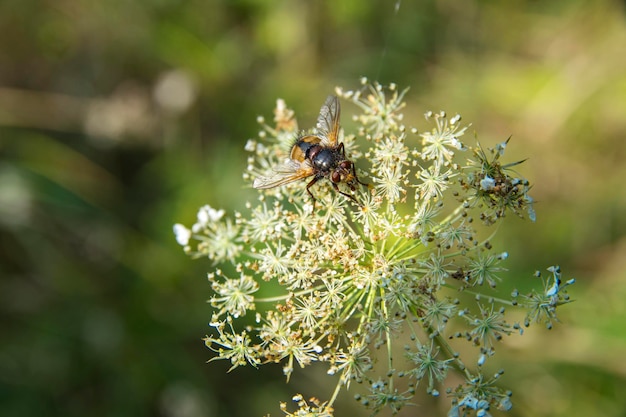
point(342, 149)
point(357, 178)
point(351, 197)
point(309, 185)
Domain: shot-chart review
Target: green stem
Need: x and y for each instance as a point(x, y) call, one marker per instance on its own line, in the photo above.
point(285, 296)
point(388, 338)
point(335, 393)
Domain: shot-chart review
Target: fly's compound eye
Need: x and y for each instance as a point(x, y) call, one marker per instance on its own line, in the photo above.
point(335, 177)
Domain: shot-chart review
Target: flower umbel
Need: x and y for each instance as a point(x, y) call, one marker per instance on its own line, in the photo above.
point(374, 269)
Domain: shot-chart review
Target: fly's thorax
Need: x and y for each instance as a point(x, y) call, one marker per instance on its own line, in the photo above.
point(324, 159)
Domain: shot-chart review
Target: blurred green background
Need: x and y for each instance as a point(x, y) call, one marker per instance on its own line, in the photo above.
point(119, 118)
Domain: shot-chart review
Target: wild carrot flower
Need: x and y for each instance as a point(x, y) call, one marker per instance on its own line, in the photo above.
point(380, 267)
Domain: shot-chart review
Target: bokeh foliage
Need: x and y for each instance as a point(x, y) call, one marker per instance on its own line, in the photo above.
point(119, 118)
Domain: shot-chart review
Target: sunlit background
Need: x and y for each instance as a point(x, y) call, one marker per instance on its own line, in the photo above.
point(120, 118)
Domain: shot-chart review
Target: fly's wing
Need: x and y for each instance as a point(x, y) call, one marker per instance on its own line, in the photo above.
point(283, 174)
point(328, 121)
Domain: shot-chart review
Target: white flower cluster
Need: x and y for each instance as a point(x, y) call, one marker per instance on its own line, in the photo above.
point(370, 270)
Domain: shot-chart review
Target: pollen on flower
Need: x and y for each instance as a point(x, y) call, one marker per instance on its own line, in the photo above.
point(371, 263)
